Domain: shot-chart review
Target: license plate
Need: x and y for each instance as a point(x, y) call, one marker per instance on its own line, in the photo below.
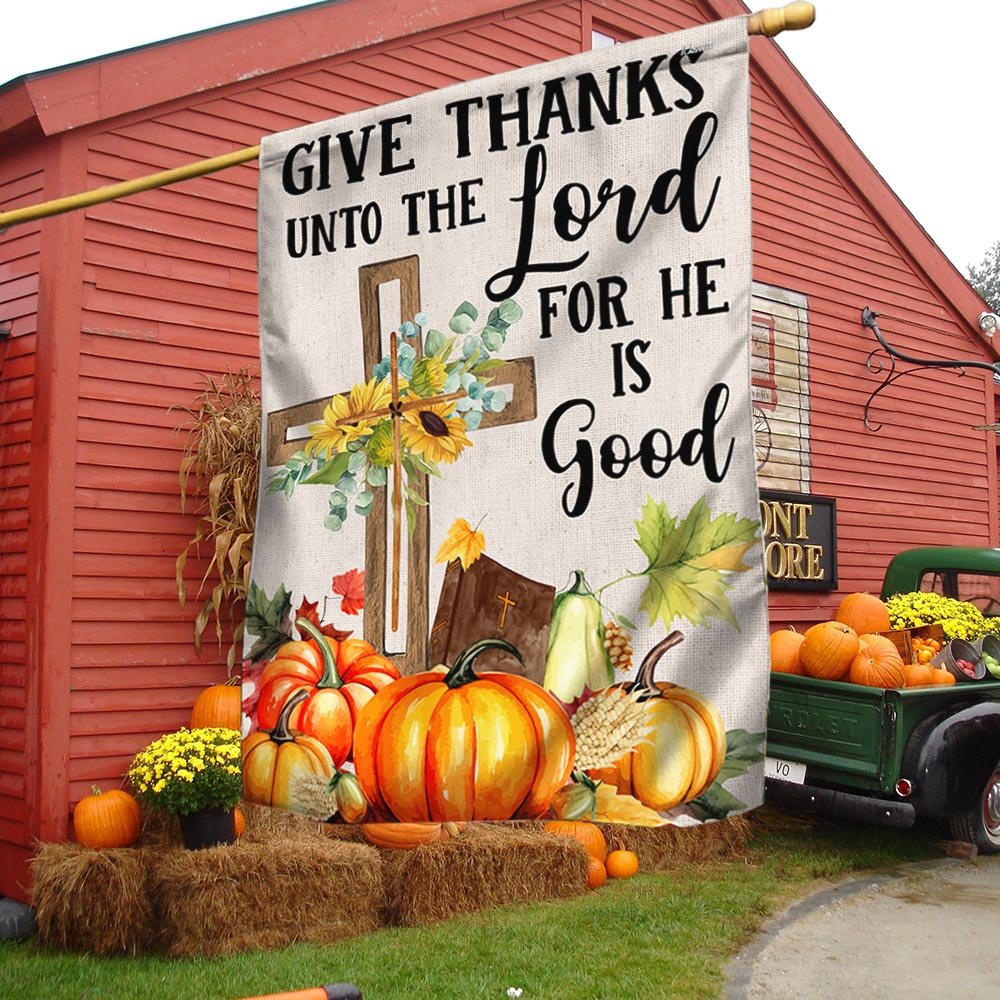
point(784, 770)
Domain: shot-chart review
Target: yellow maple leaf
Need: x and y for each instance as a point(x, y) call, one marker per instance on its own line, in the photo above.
point(613, 807)
point(463, 543)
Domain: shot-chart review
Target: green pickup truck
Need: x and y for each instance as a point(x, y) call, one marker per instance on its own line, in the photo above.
point(889, 756)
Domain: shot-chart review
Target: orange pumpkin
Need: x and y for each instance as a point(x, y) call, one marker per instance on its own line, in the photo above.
point(597, 874)
point(828, 650)
point(786, 651)
point(457, 745)
point(239, 822)
point(107, 819)
point(918, 674)
point(340, 678)
point(403, 836)
point(865, 613)
point(878, 664)
point(275, 762)
point(942, 676)
point(589, 834)
point(621, 864)
point(218, 705)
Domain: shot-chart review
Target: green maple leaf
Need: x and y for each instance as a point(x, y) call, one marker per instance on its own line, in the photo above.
point(742, 750)
point(691, 561)
point(268, 618)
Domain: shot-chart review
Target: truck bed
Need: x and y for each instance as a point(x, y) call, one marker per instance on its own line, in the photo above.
point(851, 736)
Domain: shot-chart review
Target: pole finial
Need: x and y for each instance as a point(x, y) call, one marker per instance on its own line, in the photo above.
point(772, 21)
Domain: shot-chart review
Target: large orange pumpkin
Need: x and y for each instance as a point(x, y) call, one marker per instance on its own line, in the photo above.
point(687, 743)
point(275, 762)
point(786, 651)
point(218, 705)
point(107, 819)
point(865, 613)
point(589, 834)
point(456, 745)
point(828, 650)
point(340, 678)
point(403, 836)
point(877, 664)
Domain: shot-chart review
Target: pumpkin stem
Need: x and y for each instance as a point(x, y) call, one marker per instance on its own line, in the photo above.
point(282, 732)
point(95, 790)
point(462, 672)
point(330, 678)
point(644, 685)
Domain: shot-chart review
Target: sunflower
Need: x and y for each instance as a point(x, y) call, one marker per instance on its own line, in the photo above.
point(435, 433)
point(328, 437)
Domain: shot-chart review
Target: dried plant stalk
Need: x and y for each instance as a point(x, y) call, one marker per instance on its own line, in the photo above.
point(223, 456)
point(608, 725)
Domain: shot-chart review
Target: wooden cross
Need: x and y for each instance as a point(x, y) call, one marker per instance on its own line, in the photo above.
point(507, 603)
point(518, 374)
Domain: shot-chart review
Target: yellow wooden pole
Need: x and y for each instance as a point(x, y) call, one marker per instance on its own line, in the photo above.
point(770, 22)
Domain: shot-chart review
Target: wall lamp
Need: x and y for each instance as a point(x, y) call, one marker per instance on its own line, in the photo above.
point(877, 359)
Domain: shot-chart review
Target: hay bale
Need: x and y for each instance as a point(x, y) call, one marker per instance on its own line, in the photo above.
point(264, 894)
point(264, 824)
point(662, 848)
point(487, 866)
point(96, 901)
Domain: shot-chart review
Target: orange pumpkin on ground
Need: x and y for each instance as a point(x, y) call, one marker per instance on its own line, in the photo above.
point(786, 651)
point(918, 674)
point(686, 745)
point(403, 836)
point(621, 864)
point(878, 664)
point(274, 762)
point(828, 650)
point(107, 819)
point(218, 705)
point(597, 874)
point(589, 834)
point(865, 613)
point(340, 678)
point(457, 745)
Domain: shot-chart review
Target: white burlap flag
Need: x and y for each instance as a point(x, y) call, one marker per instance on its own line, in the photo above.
point(507, 422)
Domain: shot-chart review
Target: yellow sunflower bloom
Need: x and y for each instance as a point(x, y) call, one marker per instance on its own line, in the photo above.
point(435, 433)
point(328, 438)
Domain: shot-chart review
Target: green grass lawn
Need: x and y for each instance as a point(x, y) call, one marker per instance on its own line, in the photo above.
point(654, 936)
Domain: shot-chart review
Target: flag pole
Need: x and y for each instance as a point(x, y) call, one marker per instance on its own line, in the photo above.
point(770, 22)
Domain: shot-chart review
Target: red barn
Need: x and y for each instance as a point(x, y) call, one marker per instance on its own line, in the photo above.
point(116, 312)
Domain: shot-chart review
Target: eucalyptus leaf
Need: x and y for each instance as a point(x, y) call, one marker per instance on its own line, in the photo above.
point(356, 462)
point(492, 339)
point(333, 522)
point(460, 323)
point(510, 311)
point(467, 309)
point(363, 504)
point(378, 475)
point(433, 341)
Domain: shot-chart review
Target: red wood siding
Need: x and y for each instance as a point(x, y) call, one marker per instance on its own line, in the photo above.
point(21, 183)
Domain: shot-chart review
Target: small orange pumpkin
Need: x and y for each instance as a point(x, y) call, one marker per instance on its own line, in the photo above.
point(239, 821)
point(218, 705)
point(597, 874)
point(828, 650)
point(878, 664)
point(942, 676)
point(918, 674)
point(107, 819)
point(589, 834)
point(865, 613)
point(403, 836)
point(621, 864)
point(786, 651)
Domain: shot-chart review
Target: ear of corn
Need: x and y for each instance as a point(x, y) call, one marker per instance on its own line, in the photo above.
point(618, 643)
point(608, 725)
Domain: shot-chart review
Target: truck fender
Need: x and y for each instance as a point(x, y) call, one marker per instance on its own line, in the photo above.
point(949, 756)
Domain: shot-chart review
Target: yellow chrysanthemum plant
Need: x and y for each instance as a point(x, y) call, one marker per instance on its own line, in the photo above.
point(353, 448)
point(189, 770)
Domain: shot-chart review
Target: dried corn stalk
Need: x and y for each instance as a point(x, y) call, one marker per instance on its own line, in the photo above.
point(608, 725)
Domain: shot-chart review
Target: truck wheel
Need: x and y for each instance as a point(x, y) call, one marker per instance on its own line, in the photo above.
point(981, 826)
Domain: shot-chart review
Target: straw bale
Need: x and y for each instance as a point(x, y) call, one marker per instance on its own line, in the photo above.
point(661, 848)
point(264, 824)
point(264, 894)
point(96, 901)
point(486, 866)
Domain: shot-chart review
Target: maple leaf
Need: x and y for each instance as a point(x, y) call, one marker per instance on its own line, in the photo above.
point(462, 543)
point(351, 587)
point(691, 561)
point(309, 610)
point(613, 807)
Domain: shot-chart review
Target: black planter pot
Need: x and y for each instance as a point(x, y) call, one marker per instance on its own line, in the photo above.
point(208, 828)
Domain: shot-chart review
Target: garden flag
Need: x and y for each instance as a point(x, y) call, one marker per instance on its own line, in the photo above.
point(507, 556)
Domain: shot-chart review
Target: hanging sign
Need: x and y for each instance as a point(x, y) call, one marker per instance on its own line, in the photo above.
point(507, 561)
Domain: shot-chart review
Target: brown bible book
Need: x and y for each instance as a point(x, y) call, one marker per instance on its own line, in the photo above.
point(490, 601)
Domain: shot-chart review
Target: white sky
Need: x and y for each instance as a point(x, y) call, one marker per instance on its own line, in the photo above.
point(914, 86)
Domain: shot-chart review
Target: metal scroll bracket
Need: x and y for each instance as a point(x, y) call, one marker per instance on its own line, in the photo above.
point(883, 359)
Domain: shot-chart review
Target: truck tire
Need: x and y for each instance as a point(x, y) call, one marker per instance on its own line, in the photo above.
point(981, 826)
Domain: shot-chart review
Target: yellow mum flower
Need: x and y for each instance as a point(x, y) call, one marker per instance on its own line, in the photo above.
point(328, 438)
point(435, 433)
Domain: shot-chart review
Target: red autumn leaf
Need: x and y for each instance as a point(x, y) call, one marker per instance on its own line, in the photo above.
point(351, 587)
point(309, 610)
